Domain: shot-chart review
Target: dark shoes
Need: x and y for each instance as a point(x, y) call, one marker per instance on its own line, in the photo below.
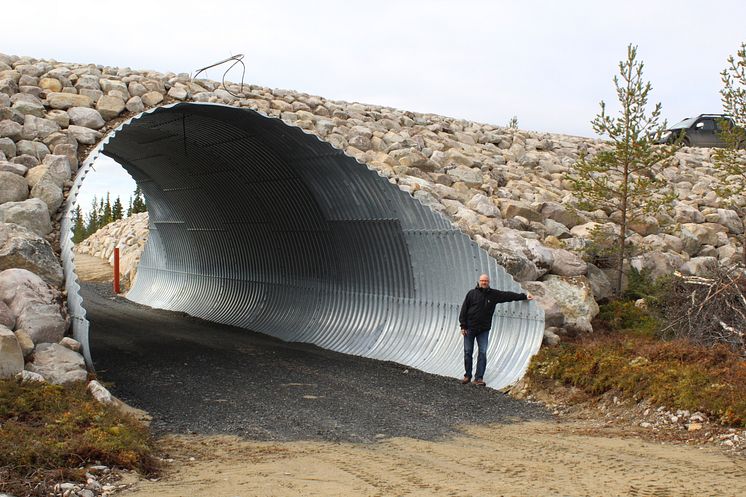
point(466, 380)
point(480, 383)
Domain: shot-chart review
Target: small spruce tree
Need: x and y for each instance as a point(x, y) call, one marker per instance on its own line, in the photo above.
point(138, 203)
point(730, 161)
point(117, 211)
point(623, 176)
point(78, 225)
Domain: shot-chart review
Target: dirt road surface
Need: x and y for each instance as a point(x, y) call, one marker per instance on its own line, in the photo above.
point(242, 414)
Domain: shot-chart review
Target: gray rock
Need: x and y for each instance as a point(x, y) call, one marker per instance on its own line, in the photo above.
point(86, 117)
point(137, 89)
point(35, 174)
point(135, 105)
point(34, 303)
point(60, 117)
point(552, 312)
point(110, 106)
point(483, 205)
point(575, 298)
point(551, 338)
point(510, 208)
point(25, 342)
point(694, 236)
point(84, 135)
point(70, 151)
point(49, 193)
point(100, 393)
point(7, 147)
point(33, 148)
point(556, 229)
point(71, 344)
point(29, 107)
point(7, 318)
point(10, 129)
point(114, 85)
point(731, 220)
point(699, 266)
point(57, 364)
point(600, 283)
point(472, 177)
point(567, 263)
point(561, 214)
point(67, 100)
point(178, 92)
point(58, 169)
point(32, 214)
point(37, 127)
point(657, 264)
point(11, 356)
point(14, 187)
point(28, 377)
point(22, 248)
point(8, 86)
point(684, 213)
point(88, 82)
point(152, 98)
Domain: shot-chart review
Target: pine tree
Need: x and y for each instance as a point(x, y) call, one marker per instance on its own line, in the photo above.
point(138, 203)
point(78, 225)
point(623, 177)
point(92, 223)
point(117, 211)
point(106, 214)
point(730, 161)
point(129, 208)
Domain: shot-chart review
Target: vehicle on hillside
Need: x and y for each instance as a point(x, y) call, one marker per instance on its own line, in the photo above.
point(702, 131)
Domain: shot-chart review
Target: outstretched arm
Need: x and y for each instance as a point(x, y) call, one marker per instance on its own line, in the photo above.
point(503, 296)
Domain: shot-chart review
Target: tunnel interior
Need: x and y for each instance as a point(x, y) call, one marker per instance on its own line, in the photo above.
point(258, 224)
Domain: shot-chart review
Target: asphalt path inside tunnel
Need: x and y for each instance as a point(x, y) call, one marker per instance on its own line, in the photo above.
point(195, 376)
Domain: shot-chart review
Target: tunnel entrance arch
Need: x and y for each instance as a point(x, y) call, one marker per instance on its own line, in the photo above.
point(258, 224)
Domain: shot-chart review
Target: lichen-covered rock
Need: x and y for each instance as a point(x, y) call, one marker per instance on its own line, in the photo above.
point(32, 214)
point(35, 304)
point(22, 248)
point(11, 356)
point(57, 364)
point(574, 295)
point(14, 188)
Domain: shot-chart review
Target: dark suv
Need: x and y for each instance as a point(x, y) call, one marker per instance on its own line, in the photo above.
point(701, 131)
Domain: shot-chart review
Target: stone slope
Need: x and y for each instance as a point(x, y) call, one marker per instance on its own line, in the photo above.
point(503, 187)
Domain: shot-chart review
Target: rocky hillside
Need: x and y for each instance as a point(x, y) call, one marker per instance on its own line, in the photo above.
point(129, 234)
point(503, 187)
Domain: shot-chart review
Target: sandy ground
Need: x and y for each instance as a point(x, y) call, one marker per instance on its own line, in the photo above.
point(571, 457)
point(90, 268)
point(523, 459)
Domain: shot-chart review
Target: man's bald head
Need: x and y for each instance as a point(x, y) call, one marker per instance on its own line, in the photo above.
point(484, 281)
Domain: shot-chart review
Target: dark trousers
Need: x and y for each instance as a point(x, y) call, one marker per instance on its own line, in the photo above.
point(482, 339)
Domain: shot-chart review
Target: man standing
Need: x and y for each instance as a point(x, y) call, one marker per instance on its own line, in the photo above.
point(476, 321)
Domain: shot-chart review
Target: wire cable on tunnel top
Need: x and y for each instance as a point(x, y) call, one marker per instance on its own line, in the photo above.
point(238, 59)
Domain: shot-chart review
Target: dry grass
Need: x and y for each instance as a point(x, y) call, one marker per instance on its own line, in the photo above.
point(48, 432)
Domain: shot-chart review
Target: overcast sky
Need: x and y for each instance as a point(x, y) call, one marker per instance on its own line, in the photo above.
point(547, 62)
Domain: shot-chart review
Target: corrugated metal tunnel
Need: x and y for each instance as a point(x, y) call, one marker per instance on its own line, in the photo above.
point(260, 225)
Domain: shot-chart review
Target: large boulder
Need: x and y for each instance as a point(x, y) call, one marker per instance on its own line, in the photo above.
point(574, 295)
point(553, 315)
point(7, 318)
point(471, 176)
point(14, 187)
point(58, 364)
point(511, 208)
point(657, 264)
point(58, 169)
point(35, 304)
point(600, 283)
point(86, 117)
point(11, 356)
point(699, 266)
point(22, 248)
point(483, 205)
point(561, 214)
point(510, 257)
point(67, 100)
point(48, 191)
point(684, 213)
point(694, 236)
point(567, 263)
point(32, 214)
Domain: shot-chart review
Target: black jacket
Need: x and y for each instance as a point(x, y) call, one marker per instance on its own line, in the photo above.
point(479, 306)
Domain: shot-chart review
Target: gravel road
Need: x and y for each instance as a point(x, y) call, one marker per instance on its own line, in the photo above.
point(195, 376)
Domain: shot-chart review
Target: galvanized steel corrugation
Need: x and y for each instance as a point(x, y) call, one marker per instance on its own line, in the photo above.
point(258, 224)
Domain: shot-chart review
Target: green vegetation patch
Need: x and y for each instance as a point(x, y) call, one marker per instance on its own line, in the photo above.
point(678, 374)
point(48, 431)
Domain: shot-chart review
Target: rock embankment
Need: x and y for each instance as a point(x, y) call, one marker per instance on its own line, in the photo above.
point(129, 234)
point(505, 188)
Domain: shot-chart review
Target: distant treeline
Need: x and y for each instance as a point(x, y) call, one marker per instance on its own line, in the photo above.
point(104, 212)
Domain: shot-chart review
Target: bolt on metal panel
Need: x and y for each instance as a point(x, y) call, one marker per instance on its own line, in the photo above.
point(258, 224)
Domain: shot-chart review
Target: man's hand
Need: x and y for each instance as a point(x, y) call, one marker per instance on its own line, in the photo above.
point(529, 296)
point(463, 332)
